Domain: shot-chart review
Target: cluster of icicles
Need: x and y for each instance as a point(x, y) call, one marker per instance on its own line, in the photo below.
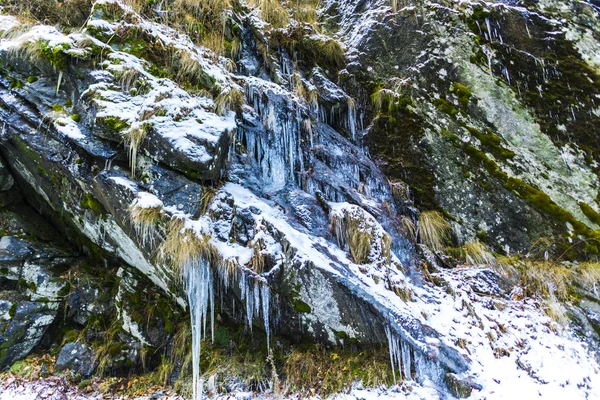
point(199, 288)
point(400, 356)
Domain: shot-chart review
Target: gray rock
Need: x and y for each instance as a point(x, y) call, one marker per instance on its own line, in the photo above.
point(25, 330)
point(78, 358)
point(6, 179)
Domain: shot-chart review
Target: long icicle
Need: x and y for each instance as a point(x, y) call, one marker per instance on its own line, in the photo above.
point(198, 287)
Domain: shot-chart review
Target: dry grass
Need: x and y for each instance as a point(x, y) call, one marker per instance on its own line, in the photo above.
point(257, 262)
point(408, 227)
point(477, 253)
point(272, 12)
point(188, 69)
point(434, 230)
point(546, 279)
point(233, 99)
point(70, 13)
point(306, 11)
point(236, 48)
point(182, 246)
point(209, 194)
point(128, 79)
point(145, 222)
point(319, 371)
point(203, 20)
point(350, 231)
point(133, 139)
point(588, 275)
point(358, 236)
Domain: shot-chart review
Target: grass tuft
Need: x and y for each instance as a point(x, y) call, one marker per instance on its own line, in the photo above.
point(183, 245)
point(434, 230)
point(477, 253)
point(233, 99)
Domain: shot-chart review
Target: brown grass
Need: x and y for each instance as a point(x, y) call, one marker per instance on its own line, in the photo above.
point(319, 371)
point(434, 230)
point(182, 245)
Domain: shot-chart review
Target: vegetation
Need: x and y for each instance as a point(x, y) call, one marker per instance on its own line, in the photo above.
point(476, 253)
point(133, 140)
point(233, 99)
point(183, 245)
point(315, 370)
point(69, 13)
point(146, 221)
point(359, 236)
point(434, 230)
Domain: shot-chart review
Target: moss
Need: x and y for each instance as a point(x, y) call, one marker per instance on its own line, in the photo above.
point(57, 108)
point(54, 55)
point(65, 290)
point(13, 310)
point(445, 106)
point(15, 83)
point(84, 384)
point(301, 306)
point(71, 336)
point(114, 123)
point(590, 213)
point(223, 337)
point(76, 118)
point(463, 93)
point(570, 86)
point(492, 143)
point(89, 202)
point(32, 79)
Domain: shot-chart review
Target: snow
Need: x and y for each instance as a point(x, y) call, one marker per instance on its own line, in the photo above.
point(147, 200)
point(69, 128)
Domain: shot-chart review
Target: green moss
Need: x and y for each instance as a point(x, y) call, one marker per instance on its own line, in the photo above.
point(463, 93)
point(445, 106)
point(76, 118)
point(115, 124)
point(32, 79)
point(13, 309)
point(89, 202)
point(84, 384)
point(18, 368)
point(223, 337)
point(590, 213)
point(15, 83)
point(54, 55)
point(301, 306)
point(57, 108)
point(492, 143)
point(71, 336)
point(65, 290)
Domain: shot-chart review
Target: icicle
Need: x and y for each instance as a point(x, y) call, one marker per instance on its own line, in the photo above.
point(199, 290)
point(391, 350)
point(266, 297)
point(60, 76)
point(406, 360)
point(489, 29)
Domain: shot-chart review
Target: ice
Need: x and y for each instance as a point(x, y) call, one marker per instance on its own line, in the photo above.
point(400, 355)
point(198, 281)
point(265, 299)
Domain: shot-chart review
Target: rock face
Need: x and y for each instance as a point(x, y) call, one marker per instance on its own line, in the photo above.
point(294, 179)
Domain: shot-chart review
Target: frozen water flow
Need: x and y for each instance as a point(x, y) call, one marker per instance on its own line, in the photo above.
point(199, 290)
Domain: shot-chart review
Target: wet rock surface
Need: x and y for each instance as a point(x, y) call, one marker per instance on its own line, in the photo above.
point(240, 163)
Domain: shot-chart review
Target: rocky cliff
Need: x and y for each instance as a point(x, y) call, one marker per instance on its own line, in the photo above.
point(416, 182)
